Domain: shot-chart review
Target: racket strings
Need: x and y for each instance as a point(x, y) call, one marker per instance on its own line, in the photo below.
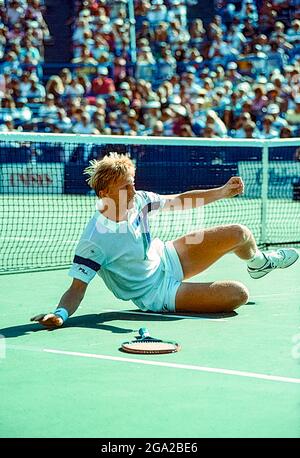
point(149, 346)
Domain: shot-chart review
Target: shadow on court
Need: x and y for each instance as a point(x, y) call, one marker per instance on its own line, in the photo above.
point(96, 321)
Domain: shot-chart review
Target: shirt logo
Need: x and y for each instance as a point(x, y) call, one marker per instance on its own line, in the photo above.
point(83, 270)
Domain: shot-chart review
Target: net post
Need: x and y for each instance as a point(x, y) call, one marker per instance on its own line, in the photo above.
point(264, 194)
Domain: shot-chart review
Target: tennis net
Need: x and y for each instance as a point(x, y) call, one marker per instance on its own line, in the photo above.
point(45, 202)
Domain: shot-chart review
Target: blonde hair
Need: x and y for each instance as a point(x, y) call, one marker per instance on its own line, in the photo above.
point(108, 170)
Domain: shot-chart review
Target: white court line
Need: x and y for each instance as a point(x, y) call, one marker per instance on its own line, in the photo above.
point(165, 315)
point(273, 378)
point(289, 293)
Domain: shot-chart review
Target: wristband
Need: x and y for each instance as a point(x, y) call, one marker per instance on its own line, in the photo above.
point(62, 313)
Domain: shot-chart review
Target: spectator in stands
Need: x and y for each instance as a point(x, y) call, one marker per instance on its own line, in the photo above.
point(166, 63)
point(232, 74)
point(25, 84)
point(34, 12)
point(23, 112)
point(293, 115)
point(235, 38)
point(133, 127)
point(152, 114)
point(158, 129)
point(186, 131)
point(36, 92)
point(235, 50)
point(273, 95)
point(274, 111)
point(181, 117)
point(119, 70)
point(276, 56)
point(103, 84)
point(268, 131)
point(84, 81)
point(8, 125)
point(55, 87)
point(293, 33)
point(286, 132)
point(63, 122)
point(15, 12)
point(259, 101)
point(85, 64)
point(49, 109)
point(250, 130)
point(65, 76)
point(218, 125)
point(74, 88)
point(112, 123)
point(197, 33)
point(29, 50)
point(167, 118)
point(98, 122)
point(8, 109)
point(145, 64)
point(209, 132)
point(157, 12)
point(249, 29)
point(238, 130)
point(232, 110)
point(10, 63)
point(84, 125)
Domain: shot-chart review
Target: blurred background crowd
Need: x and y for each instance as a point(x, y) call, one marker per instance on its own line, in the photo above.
point(144, 67)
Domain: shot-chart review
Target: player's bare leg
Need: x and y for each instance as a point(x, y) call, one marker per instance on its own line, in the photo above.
point(213, 244)
point(219, 296)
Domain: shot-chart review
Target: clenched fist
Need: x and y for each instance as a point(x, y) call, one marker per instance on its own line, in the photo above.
point(233, 187)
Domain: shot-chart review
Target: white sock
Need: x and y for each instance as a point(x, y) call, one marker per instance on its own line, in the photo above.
point(258, 260)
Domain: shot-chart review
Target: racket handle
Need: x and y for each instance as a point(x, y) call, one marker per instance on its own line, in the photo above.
point(143, 332)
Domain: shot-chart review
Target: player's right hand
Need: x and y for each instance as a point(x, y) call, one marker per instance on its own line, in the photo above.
point(48, 320)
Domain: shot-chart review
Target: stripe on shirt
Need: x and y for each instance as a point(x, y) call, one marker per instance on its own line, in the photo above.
point(87, 262)
point(151, 206)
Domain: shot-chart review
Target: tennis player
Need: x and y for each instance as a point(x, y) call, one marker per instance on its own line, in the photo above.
point(116, 244)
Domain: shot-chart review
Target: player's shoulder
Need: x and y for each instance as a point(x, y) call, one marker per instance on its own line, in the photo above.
point(147, 196)
point(87, 248)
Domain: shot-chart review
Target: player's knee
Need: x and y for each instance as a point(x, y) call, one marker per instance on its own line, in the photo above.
point(240, 233)
point(240, 295)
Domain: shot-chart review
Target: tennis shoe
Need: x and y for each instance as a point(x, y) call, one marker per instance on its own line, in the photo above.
point(279, 259)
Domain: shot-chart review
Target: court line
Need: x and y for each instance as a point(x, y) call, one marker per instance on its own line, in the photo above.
point(165, 315)
point(289, 293)
point(216, 370)
point(178, 366)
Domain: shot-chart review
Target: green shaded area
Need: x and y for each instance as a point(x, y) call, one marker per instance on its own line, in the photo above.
point(53, 395)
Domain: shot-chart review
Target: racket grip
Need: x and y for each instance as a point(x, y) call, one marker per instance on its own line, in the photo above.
point(143, 332)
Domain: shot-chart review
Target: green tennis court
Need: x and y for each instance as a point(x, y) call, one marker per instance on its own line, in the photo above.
point(236, 376)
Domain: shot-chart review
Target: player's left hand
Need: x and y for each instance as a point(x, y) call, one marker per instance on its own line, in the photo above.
point(49, 320)
point(233, 187)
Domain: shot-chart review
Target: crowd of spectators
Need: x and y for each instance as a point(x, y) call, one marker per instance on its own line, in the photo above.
point(238, 76)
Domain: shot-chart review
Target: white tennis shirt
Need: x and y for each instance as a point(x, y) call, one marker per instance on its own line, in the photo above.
point(122, 253)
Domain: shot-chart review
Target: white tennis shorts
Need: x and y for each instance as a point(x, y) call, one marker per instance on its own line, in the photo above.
point(163, 295)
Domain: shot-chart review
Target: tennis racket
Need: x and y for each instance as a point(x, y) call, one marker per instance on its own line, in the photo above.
point(145, 344)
